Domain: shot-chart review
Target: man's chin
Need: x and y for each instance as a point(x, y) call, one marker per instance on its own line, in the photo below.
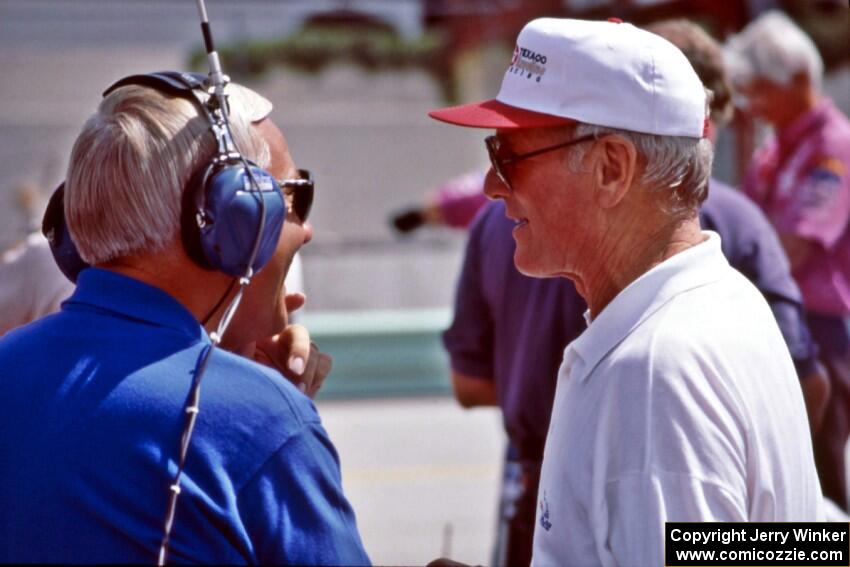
point(528, 267)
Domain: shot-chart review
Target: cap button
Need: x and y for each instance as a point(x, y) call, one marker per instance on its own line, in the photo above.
point(615, 20)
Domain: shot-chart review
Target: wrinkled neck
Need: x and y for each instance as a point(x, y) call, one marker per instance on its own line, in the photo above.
point(621, 261)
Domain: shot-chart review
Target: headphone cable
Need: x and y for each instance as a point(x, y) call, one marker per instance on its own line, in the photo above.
point(192, 408)
point(218, 305)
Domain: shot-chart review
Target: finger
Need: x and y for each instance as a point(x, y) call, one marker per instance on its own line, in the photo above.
point(294, 343)
point(324, 363)
point(288, 350)
point(309, 374)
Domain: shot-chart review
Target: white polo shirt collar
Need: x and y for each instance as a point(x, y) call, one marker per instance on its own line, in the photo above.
point(692, 268)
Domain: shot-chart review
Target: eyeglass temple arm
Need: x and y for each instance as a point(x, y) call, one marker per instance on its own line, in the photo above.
point(547, 149)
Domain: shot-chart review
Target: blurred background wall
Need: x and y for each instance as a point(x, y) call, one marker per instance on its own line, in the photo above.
point(354, 112)
point(352, 81)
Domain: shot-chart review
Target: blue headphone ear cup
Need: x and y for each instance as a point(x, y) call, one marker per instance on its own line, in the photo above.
point(193, 205)
point(55, 229)
point(232, 210)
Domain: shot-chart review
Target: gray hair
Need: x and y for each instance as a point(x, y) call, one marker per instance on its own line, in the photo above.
point(773, 47)
point(132, 160)
point(677, 167)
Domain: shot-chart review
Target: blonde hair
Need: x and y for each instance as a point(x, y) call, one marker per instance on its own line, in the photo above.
point(132, 160)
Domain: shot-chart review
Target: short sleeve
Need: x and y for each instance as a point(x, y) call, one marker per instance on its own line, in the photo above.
point(792, 324)
point(820, 208)
point(639, 505)
point(294, 509)
point(469, 339)
point(31, 286)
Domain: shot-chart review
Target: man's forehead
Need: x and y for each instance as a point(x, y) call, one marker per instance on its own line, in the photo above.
point(281, 164)
point(523, 135)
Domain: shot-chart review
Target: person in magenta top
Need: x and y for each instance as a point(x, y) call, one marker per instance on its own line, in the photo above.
point(801, 179)
point(454, 204)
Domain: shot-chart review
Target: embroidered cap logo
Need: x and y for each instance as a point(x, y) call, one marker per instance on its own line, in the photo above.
point(528, 63)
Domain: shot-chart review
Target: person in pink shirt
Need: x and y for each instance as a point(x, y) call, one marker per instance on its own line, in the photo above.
point(801, 179)
point(454, 204)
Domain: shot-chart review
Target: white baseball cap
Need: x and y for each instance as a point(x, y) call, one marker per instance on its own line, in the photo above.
point(606, 73)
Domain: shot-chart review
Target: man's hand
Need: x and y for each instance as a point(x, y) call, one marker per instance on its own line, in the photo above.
point(474, 391)
point(291, 353)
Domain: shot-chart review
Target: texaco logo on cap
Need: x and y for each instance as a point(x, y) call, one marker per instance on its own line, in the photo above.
point(527, 63)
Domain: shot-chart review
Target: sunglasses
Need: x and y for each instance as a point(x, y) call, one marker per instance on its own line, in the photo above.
point(298, 193)
point(501, 156)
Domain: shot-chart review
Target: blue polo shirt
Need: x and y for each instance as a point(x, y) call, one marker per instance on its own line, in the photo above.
point(90, 424)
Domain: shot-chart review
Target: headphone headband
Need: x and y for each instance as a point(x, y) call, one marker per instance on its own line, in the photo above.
point(228, 222)
point(172, 82)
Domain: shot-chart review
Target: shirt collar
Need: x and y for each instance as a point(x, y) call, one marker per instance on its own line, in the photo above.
point(130, 298)
point(694, 267)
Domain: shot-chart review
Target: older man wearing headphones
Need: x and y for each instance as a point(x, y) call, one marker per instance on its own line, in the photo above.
point(102, 399)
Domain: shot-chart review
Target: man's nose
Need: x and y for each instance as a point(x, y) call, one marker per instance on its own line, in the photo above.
point(493, 186)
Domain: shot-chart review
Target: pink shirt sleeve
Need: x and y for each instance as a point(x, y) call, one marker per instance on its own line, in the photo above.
point(820, 207)
point(461, 198)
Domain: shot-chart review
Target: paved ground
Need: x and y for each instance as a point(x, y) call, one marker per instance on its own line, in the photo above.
point(422, 475)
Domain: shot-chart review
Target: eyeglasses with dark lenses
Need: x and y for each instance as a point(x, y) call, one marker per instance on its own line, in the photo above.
point(501, 156)
point(298, 193)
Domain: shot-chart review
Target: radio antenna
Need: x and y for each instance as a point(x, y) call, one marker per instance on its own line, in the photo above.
point(217, 77)
point(221, 129)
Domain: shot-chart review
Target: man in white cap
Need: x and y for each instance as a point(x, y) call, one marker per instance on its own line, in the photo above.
point(680, 401)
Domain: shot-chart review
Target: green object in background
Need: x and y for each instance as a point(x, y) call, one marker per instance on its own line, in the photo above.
point(383, 353)
point(314, 47)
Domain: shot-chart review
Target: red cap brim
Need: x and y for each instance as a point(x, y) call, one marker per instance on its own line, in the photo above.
point(496, 115)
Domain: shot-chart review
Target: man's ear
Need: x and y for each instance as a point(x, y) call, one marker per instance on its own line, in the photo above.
point(614, 167)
